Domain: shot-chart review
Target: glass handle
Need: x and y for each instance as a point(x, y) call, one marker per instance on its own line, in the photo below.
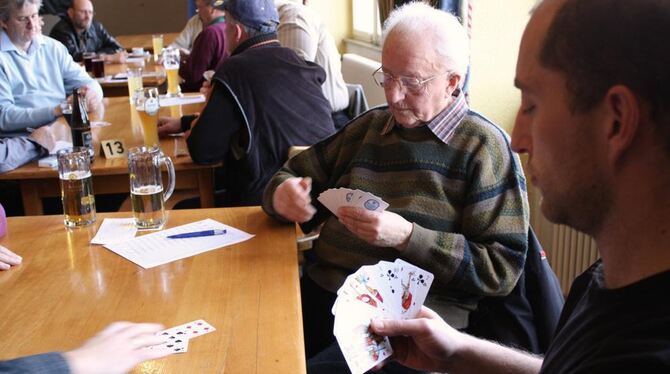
point(171, 178)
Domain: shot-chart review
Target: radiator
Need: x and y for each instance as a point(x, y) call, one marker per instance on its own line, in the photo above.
point(569, 251)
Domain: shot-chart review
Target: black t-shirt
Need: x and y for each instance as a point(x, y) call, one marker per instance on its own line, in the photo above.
point(624, 330)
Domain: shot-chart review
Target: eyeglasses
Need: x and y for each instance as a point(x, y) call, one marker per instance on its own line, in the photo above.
point(25, 19)
point(412, 84)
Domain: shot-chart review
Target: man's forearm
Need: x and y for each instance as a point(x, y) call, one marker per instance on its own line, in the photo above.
point(481, 356)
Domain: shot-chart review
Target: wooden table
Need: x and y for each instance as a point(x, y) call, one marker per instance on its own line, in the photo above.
point(116, 88)
point(111, 175)
point(144, 40)
point(67, 290)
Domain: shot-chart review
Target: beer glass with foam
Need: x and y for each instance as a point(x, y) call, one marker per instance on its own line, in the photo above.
point(171, 65)
point(76, 186)
point(146, 186)
point(147, 105)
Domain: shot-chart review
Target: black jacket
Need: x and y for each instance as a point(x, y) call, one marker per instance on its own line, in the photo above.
point(95, 39)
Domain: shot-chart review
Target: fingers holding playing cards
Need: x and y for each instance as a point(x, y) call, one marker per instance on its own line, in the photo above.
point(292, 200)
point(382, 229)
point(117, 348)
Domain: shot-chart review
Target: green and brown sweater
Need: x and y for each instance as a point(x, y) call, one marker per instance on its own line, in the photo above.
point(466, 198)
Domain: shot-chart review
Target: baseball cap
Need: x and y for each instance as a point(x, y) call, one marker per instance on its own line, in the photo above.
point(260, 15)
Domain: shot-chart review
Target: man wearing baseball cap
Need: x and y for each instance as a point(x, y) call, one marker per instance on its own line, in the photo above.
point(264, 99)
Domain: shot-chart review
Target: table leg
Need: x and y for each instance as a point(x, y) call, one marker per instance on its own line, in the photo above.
point(206, 187)
point(32, 203)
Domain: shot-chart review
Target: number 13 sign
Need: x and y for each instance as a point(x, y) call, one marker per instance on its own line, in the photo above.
point(113, 148)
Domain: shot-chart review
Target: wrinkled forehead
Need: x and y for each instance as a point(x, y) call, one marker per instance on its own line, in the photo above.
point(415, 53)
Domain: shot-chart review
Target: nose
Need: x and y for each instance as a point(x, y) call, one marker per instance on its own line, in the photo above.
point(394, 92)
point(521, 138)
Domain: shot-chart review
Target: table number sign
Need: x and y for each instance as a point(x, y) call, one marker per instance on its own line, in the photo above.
point(113, 148)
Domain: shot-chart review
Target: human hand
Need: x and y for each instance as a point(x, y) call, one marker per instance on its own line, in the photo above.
point(385, 229)
point(292, 201)
point(206, 88)
point(424, 343)
point(117, 349)
point(168, 125)
point(8, 258)
point(92, 97)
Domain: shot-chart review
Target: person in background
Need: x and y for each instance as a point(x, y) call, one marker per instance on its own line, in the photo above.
point(252, 115)
point(80, 34)
point(37, 72)
point(457, 194)
point(208, 48)
point(303, 31)
point(597, 135)
point(116, 349)
point(185, 39)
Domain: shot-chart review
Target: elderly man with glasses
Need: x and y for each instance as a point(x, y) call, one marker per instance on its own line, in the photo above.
point(458, 204)
point(36, 73)
point(80, 34)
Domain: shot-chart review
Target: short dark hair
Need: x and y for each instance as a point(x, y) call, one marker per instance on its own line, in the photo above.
point(601, 43)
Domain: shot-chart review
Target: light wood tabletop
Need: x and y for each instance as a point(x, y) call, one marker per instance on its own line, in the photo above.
point(111, 175)
point(144, 40)
point(66, 290)
point(153, 75)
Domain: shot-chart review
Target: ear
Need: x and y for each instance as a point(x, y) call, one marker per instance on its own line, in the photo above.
point(623, 109)
point(70, 12)
point(453, 83)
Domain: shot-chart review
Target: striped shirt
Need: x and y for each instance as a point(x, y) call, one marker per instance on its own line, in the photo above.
point(463, 190)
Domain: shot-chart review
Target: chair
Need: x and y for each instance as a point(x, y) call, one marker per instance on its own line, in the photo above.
point(527, 317)
point(357, 101)
point(358, 70)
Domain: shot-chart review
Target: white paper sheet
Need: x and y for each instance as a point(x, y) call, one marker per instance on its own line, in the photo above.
point(186, 99)
point(155, 249)
point(115, 230)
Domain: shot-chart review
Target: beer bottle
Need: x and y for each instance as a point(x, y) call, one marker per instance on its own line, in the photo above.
point(80, 124)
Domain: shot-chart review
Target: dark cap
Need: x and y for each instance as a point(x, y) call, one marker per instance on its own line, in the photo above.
point(218, 4)
point(260, 15)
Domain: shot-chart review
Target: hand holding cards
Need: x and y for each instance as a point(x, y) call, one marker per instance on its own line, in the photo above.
point(393, 290)
point(334, 198)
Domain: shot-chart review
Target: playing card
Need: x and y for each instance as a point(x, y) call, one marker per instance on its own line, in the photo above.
point(175, 342)
point(415, 283)
point(363, 287)
point(191, 329)
point(334, 198)
point(361, 348)
point(371, 202)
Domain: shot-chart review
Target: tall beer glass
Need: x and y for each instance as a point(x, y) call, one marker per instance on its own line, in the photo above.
point(134, 81)
point(76, 186)
point(147, 105)
point(146, 186)
point(157, 43)
point(171, 65)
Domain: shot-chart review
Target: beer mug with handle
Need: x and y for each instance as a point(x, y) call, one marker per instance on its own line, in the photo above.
point(146, 186)
point(76, 186)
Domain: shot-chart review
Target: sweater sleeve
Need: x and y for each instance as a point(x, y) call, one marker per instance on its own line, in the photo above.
point(52, 363)
point(488, 254)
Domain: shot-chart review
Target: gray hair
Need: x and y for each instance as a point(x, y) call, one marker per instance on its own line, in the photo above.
point(7, 6)
point(419, 19)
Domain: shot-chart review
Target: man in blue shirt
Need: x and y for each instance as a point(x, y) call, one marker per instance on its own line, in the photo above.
point(36, 72)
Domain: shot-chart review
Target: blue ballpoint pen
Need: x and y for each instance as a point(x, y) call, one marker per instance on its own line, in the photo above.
point(196, 234)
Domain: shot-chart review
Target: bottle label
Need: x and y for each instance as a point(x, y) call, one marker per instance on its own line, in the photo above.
point(87, 139)
point(151, 106)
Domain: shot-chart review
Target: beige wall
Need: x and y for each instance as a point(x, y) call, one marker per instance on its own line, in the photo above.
point(496, 32)
point(337, 16)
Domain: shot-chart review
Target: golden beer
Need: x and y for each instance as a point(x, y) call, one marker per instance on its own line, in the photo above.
point(157, 42)
point(78, 199)
point(148, 208)
point(173, 82)
point(134, 83)
point(149, 127)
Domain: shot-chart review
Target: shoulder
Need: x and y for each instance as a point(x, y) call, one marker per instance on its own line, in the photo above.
point(476, 132)
point(372, 120)
point(61, 27)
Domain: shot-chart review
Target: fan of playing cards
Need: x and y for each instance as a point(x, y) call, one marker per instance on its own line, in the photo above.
point(337, 197)
point(394, 290)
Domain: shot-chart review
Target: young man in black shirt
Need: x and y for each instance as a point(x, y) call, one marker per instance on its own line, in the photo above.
point(595, 122)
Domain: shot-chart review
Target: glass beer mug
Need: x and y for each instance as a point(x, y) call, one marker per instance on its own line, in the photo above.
point(171, 65)
point(146, 186)
point(76, 186)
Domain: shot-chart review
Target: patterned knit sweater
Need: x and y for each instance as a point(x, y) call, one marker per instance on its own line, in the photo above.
point(466, 199)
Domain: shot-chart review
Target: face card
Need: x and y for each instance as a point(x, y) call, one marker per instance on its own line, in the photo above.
point(361, 348)
point(362, 286)
point(415, 283)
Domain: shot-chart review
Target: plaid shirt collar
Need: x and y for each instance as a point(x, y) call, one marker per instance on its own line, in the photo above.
point(444, 124)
